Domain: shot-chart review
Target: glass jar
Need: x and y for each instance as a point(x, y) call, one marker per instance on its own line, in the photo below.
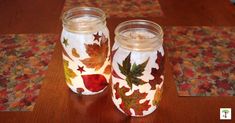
point(86, 46)
point(137, 67)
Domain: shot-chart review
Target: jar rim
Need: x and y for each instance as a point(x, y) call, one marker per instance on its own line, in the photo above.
point(144, 42)
point(140, 22)
point(77, 12)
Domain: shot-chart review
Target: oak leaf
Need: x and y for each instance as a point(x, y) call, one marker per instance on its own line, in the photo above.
point(131, 101)
point(157, 72)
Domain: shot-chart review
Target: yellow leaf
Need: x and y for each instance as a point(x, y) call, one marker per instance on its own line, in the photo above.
point(68, 72)
point(75, 53)
point(157, 96)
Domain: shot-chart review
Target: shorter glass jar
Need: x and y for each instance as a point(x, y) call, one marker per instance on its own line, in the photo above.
point(137, 67)
point(86, 45)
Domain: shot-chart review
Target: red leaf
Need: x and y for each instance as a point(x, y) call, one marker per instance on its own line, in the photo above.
point(116, 75)
point(94, 82)
point(188, 73)
point(157, 72)
point(23, 77)
point(185, 86)
point(20, 86)
point(205, 87)
point(224, 84)
point(131, 101)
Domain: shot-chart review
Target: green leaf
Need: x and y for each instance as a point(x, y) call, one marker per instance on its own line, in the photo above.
point(132, 72)
point(127, 63)
point(137, 70)
point(129, 82)
point(122, 69)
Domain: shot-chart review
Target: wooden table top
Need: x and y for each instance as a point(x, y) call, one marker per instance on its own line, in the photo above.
point(57, 104)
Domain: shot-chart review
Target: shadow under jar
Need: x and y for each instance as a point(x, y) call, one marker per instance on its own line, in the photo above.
point(86, 45)
point(137, 67)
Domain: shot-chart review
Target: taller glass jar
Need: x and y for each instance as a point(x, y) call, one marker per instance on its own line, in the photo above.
point(86, 45)
point(137, 67)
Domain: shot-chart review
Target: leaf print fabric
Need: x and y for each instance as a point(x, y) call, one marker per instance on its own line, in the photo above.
point(121, 8)
point(203, 60)
point(23, 60)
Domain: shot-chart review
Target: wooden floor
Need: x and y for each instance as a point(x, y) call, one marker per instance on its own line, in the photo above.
point(57, 104)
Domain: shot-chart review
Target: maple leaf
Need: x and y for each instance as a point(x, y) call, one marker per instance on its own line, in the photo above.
point(132, 72)
point(68, 72)
point(157, 96)
point(157, 72)
point(97, 53)
point(131, 101)
point(75, 53)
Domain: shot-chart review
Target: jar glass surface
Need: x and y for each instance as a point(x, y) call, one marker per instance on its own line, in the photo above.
point(137, 67)
point(86, 44)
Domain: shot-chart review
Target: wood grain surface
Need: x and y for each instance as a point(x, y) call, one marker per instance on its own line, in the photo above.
point(57, 104)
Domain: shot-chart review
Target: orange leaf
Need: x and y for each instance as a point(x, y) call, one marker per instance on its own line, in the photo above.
point(75, 53)
point(107, 70)
point(97, 53)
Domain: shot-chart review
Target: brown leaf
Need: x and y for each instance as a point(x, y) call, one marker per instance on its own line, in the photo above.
point(131, 101)
point(97, 53)
point(75, 53)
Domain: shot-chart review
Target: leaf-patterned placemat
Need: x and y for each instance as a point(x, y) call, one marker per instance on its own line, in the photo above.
point(121, 8)
point(203, 60)
point(23, 59)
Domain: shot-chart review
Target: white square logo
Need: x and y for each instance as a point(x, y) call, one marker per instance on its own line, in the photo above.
point(225, 113)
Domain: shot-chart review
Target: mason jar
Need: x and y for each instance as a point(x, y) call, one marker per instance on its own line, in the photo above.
point(137, 67)
point(86, 45)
